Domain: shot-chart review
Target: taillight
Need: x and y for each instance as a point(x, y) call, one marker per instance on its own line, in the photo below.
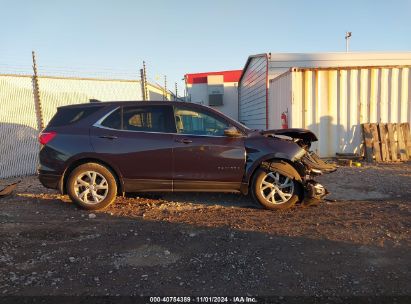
point(45, 137)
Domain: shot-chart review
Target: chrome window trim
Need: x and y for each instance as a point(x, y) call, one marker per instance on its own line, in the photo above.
point(98, 124)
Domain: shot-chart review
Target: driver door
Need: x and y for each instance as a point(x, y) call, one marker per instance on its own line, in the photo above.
point(204, 159)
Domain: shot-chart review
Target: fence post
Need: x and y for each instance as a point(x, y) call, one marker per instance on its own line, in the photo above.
point(36, 93)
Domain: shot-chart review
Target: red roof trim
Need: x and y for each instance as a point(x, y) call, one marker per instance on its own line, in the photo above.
point(229, 76)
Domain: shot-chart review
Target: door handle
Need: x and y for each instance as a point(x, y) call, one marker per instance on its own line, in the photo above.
point(108, 137)
point(184, 141)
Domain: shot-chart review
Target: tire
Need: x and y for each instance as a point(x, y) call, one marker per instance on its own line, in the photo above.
point(100, 194)
point(290, 195)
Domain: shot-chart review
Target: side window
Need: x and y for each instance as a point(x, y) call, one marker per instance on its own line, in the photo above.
point(113, 121)
point(190, 121)
point(148, 118)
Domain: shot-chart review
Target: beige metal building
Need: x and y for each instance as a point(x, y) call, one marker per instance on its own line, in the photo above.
point(328, 93)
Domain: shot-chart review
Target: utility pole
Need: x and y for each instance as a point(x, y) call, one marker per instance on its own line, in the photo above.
point(347, 41)
point(36, 93)
point(165, 88)
point(176, 92)
point(145, 81)
point(143, 92)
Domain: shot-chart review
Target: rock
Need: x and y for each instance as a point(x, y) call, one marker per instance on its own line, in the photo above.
point(91, 216)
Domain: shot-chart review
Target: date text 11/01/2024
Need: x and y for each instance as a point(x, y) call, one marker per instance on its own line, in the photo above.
point(203, 299)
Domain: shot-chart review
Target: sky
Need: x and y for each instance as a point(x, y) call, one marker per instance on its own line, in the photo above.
point(111, 38)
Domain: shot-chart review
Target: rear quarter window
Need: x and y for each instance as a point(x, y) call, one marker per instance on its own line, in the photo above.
point(68, 116)
point(113, 121)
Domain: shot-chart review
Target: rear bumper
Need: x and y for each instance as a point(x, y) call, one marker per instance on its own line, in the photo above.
point(51, 181)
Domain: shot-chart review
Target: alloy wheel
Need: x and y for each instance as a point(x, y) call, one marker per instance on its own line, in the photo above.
point(91, 187)
point(277, 188)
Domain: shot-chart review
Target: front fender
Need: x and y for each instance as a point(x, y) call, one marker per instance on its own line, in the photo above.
point(259, 151)
point(283, 167)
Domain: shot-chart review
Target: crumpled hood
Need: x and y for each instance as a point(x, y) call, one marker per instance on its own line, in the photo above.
point(295, 133)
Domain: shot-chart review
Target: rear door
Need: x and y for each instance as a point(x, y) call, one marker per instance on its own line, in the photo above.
point(204, 158)
point(138, 140)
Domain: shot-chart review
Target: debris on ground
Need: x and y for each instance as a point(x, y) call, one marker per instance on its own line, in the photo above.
point(8, 190)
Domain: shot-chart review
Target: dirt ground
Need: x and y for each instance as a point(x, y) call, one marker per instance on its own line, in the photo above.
point(356, 244)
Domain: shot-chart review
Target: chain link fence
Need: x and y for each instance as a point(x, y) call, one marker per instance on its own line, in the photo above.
point(18, 117)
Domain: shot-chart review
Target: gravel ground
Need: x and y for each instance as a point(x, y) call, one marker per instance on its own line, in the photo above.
point(357, 244)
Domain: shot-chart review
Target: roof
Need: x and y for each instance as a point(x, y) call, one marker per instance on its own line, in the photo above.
point(120, 103)
point(229, 76)
point(340, 56)
point(338, 59)
point(248, 62)
point(133, 102)
point(333, 59)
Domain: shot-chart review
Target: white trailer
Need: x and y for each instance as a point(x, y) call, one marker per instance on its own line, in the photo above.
point(330, 94)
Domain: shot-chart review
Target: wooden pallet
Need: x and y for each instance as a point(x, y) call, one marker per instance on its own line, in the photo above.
point(387, 142)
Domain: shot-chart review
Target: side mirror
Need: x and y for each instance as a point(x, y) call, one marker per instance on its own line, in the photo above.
point(232, 132)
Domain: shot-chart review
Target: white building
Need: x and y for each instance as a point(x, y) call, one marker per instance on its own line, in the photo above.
point(215, 89)
point(328, 93)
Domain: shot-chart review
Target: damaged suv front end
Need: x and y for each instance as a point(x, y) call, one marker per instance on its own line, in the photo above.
point(287, 151)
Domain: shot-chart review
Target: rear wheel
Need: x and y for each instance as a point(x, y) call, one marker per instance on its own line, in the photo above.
point(273, 190)
point(92, 186)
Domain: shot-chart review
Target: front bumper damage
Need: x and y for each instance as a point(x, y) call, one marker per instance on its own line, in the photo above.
point(314, 192)
point(308, 164)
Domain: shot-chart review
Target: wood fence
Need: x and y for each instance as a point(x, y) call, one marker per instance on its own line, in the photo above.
point(387, 142)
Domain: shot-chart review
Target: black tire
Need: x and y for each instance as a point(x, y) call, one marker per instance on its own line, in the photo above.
point(260, 174)
point(83, 171)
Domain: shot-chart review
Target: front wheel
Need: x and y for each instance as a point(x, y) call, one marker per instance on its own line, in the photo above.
point(275, 191)
point(92, 186)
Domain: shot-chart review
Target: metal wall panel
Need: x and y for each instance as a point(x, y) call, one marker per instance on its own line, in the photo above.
point(252, 94)
point(280, 96)
point(334, 102)
point(18, 123)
